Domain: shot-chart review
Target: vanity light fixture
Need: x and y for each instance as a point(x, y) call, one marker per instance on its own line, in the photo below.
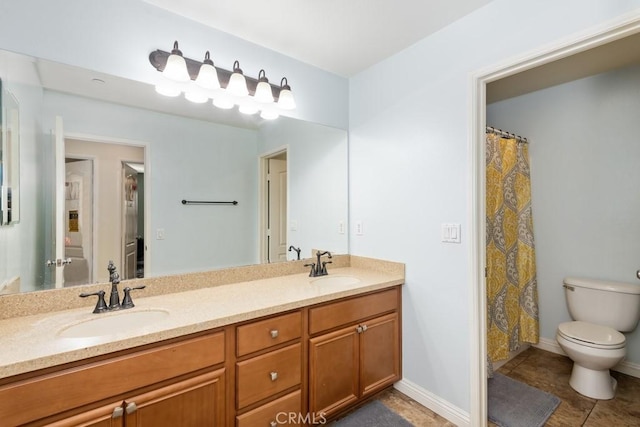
point(286, 100)
point(176, 67)
point(201, 81)
point(237, 83)
point(263, 89)
point(208, 75)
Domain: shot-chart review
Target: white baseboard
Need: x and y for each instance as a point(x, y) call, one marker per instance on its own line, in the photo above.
point(438, 405)
point(624, 367)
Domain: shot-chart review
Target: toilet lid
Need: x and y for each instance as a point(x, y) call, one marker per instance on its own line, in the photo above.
point(591, 334)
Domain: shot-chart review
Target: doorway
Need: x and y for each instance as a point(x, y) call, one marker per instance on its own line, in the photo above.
point(617, 31)
point(273, 206)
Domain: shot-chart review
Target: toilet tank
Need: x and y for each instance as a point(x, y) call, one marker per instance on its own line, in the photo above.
point(607, 303)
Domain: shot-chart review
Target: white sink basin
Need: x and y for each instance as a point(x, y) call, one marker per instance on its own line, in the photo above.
point(113, 323)
point(335, 280)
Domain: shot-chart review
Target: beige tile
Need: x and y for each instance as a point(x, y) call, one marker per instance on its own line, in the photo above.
point(411, 410)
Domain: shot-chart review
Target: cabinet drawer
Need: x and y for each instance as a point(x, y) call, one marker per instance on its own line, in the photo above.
point(267, 333)
point(277, 411)
point(352, 310)
point(40, 396)
point(267, 374)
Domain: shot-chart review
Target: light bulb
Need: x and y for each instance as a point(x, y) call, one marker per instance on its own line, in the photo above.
point(176, 67)
point(223, 102)
point(263, 93)
point(208, 75)
point(269, 114)
point(196, 96)
point(285, 99)
point(167, 88)
point(237, 83)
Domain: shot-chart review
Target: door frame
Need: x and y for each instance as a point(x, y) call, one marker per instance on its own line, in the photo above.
point(263, 168)
point(147, 189)
point(623, 26)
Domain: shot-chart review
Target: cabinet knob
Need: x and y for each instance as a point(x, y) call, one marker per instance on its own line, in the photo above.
point(274, 333)
point(118, 411)
point(131, 408)
point(359, 329)
point(273, 424)
point(273, 375)
point(364, 328)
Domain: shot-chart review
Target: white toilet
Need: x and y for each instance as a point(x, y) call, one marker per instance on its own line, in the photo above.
point(601, 310)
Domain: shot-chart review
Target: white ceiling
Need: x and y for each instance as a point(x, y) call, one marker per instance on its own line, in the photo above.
point(340, 36)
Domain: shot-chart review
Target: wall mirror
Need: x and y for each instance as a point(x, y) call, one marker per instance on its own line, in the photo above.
point(172, 151)
point(9, 158)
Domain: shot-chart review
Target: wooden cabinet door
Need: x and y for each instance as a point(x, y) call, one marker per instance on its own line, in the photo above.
point(195, 402)
point(106, 416)
point(379, 354)
point(333, 371)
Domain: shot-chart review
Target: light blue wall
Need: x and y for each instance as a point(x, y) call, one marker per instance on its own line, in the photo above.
point(21, 250)
point(317, 176)
point(116, 37)
point(410, 170)
point(584, 180)
point(188, 159)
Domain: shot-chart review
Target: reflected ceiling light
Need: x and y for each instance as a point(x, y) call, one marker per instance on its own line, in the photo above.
point(263, 89)
point(203, 80)
point(237, 83)
point(176, 67)
point(167, 89)
point(269, 114)
point(286, 100)
point(223, 102)
point(196, 96)
point(207, 75)
point(248, 106)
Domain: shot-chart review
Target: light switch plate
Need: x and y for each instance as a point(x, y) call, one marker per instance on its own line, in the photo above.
point(451, 233)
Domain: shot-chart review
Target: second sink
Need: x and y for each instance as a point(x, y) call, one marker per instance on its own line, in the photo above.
point(109, 324)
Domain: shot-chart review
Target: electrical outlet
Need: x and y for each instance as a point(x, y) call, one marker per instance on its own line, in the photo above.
point(359, 228)
point(160, 234)
point(341, 227)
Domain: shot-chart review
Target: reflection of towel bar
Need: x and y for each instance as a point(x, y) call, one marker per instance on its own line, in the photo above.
point(197, 202)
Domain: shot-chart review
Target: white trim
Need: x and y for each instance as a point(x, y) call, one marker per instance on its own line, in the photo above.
point(438, 405)
point(606, 32)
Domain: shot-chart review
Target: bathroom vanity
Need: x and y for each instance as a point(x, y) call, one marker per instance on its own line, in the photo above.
point(281, 350)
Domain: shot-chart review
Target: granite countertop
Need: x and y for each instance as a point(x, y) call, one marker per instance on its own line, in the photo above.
point(32, 342)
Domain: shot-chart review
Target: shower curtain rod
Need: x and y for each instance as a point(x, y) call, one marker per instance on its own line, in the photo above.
point(507, 134)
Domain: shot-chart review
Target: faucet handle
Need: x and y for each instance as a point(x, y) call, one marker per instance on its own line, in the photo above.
point(127, 302)
point(101, 305)
point(313, 266)
point(324, 267)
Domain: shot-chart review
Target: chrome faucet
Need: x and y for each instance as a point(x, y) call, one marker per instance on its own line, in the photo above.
point(319, 268)
point(114, 298)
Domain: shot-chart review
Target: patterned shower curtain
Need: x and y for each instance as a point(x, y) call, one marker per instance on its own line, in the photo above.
point(512, 294)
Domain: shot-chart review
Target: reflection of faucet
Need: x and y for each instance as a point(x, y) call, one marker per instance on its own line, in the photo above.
point(293, 248)
point(114, 298)
point(319, 268)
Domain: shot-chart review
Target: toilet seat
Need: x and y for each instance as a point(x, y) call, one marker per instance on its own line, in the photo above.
point(591, 335)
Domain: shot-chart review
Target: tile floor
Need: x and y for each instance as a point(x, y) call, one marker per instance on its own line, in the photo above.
point(549, 372)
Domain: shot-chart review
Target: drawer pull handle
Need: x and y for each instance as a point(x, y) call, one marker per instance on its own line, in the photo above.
point(131, 408)
point(274, 333)
point(273, 424)
point(273, 375)
point(118, 411)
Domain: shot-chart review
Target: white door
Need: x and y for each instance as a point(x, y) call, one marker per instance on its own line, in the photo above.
point(129, 220)
point(277, 210)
